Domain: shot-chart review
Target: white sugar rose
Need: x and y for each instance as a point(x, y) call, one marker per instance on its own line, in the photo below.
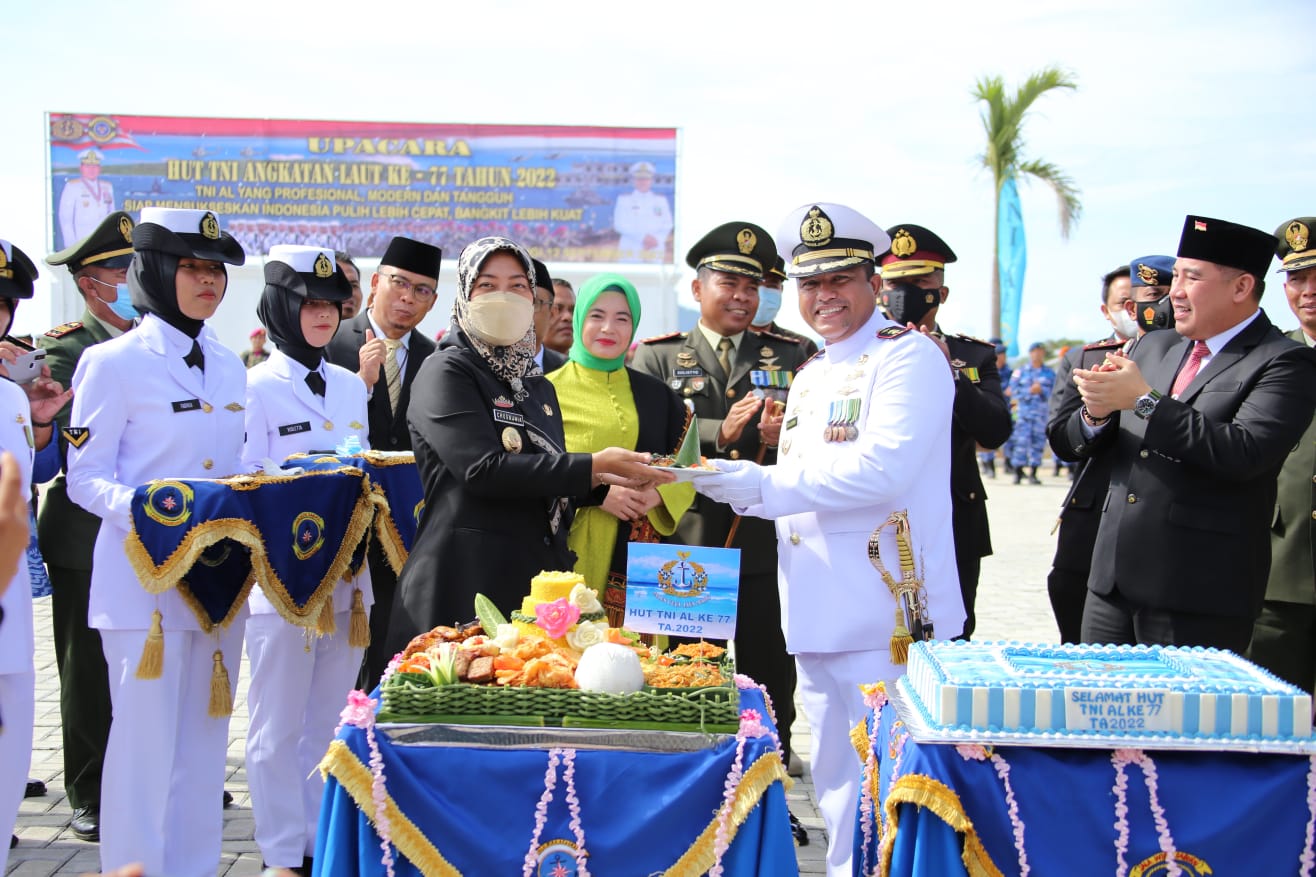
point(506, 637)
point(584, 598)
point(586, 634)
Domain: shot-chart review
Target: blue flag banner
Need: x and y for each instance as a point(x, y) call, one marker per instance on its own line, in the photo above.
point(213, 539)
point(1012, 258)
point(399, 496)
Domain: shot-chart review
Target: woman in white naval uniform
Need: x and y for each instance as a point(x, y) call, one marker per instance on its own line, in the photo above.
point(164, 400)
point(296, 402)
point(19, 436)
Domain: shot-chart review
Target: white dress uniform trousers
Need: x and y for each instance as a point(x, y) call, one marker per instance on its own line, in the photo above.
point(148, 415)
point(298, 686)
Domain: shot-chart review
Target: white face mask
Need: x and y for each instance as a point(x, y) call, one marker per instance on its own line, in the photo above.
point(500, 318)
point(1125, 326)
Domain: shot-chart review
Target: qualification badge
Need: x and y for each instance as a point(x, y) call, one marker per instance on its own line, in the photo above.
point(512, 440)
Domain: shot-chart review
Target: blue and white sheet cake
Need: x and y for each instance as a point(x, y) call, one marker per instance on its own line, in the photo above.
point(1084, 689)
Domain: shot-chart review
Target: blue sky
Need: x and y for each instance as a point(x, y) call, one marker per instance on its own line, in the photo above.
point(1181, 108)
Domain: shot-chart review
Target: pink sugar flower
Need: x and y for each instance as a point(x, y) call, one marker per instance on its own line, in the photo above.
point(556, 617)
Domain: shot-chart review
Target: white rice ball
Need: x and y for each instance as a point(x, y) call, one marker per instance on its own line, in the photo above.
point(609, 667)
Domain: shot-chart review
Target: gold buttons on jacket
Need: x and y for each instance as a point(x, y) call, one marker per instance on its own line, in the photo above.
point(1144, 454)
point(735, 455)
point(731, 392)
point(795, 538)
point(208, 464)
point(1132, 499)
point(328, 424)
point(207, 407)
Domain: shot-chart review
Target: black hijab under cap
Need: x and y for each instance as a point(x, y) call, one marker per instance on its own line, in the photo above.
point(280, 307)
point(156, 253)
point(413, 256)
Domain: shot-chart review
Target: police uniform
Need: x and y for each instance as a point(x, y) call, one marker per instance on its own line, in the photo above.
point(67, 533)
point(981, 413)
point(867, 434)
point(1284, 635)
point(140, 412)
point(688, 363)
point(639, 214)
point(17, 673)
point(297, 685)
point(84, 203)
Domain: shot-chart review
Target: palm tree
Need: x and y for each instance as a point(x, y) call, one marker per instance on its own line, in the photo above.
point(1003, 120)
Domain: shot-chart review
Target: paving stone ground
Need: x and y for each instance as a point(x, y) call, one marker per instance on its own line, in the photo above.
point(1012, 604)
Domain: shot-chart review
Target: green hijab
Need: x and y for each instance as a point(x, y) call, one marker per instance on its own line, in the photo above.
point(589, 293)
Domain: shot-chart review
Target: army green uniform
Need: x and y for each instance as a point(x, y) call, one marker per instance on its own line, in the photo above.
point(810, 346)
point(66, 535)
point(688, 364)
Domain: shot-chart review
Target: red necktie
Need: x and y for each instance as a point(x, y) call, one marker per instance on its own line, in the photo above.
point(1190, 368)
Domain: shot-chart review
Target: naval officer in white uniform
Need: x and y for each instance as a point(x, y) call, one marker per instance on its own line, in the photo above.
point(298, 402)
point(866, 435)
point(643, 218)
point(165, 400)
point(85, 200)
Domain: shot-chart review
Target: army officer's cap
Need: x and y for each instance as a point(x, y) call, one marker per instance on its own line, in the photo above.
point(735, 247)
point(110, 245)
point(914, 250)
point(1295, 249)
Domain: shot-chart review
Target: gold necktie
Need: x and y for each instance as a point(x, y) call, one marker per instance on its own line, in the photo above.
point(392, 374)
point(724, 349)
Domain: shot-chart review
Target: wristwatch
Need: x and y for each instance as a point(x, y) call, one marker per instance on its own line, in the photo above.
point(1144, 405)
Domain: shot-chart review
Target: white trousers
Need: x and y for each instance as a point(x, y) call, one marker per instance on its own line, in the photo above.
point(829, 692)
point(294, 700)
point(163, 781)
point(18, 713)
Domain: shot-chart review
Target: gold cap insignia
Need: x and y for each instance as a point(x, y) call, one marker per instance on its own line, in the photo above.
point(1148, 314)
point(5, 271)
point(512, 440)
point(745, 241)
point(210, 226)
point(1147, 274)
point(816, 230)
point(323, 267)
point(1297, 235)
point(126, 228)
point(903, 244)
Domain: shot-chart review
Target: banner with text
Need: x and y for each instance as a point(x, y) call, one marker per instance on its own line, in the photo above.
point(569, 194)
point(684, 590)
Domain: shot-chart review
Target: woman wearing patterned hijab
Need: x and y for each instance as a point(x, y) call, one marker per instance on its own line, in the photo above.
point(487, 433)
point(604, 403)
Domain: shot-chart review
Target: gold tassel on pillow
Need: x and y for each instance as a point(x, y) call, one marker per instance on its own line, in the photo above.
point(326, 626)
point(221, 693)
point(151, 665)
point(358, 635)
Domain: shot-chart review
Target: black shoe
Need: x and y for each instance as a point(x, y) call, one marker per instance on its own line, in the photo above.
point(228, 799)
point(1032, 476)
point(1018, 475)
point(798, 830)
point(35, 789)
point(86, 824)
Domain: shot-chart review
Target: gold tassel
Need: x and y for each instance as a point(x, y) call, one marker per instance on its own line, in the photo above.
point(900, 638)
point(358, 631)
point(326, 626)
point(221, 693)
point(151, 665)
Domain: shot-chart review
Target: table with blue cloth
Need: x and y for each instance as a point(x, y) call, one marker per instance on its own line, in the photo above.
point(949, 809)
point(471, 811)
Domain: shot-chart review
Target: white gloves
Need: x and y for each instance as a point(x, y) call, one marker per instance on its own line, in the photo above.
point(739, 484)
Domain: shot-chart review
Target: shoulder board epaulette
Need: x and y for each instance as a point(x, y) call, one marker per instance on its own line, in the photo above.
point(1104, 344)
point(974, 340)
point(783, 335)
point(819, 355)
point(892, 332)
point(668, 337)
point(64, 329)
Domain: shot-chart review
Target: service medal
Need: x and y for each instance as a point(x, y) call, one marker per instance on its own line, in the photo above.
point(512, 440)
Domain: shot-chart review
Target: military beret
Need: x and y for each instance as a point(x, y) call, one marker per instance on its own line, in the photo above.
point(1151, 270)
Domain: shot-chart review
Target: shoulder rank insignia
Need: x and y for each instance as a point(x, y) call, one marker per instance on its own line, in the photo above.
point(76, 435)
point(233, 406)
point(668, 337)
point(779, 336)
point(819, 355)
point(974, 340)
point(892, 332)
point(1104, 344)
point(64, 329)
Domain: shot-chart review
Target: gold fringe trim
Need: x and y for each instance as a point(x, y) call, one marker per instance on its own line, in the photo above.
point(386, 530)
point(343, 765)
point(358, 629)
point(900, 643)
point(325, 625)
point(151, 665)
point(767, 770)
point(862, 743)
point(221, 691)
point(922, 791)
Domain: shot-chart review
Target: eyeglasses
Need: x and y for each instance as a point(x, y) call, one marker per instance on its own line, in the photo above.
point(403, 285)
point(564, 310)
point(541, 303)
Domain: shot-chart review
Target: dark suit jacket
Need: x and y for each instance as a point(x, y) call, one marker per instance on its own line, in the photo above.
point(493, 470)
point(388, 428)
point(1185, 524)
point(553, 360)
point(981, 417)
point(1293, 528)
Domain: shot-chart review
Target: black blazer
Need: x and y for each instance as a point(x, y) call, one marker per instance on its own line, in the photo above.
point(981, 417)
point(553, 360)
point(1185, 522)
point(493, 470)
point(388, 428)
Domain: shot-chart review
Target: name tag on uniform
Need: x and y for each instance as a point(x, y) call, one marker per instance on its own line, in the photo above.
point(508, 417)
point(687, 372)
point(790, 424)
point(294, 428)
point(187, 405)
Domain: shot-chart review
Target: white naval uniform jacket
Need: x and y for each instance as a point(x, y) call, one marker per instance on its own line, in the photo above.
point(16, 639)
point(637, 214)
point(284, 417)
point(828, 497)
point(148, 415)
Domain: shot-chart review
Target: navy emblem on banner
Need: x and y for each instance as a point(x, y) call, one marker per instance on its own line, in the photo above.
point(308, 535)
point(169, 503)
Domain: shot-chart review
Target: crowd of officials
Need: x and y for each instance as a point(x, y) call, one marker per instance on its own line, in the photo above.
point(534, 421)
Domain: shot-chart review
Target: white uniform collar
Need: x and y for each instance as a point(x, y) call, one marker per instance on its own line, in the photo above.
point(858, 341)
